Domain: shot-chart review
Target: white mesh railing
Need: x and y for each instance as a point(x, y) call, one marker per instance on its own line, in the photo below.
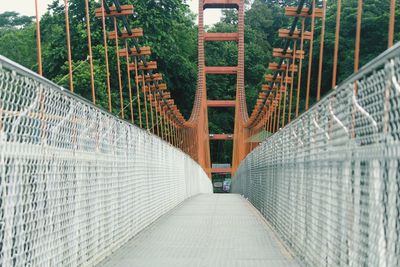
point(75, 181)
point(329, 182)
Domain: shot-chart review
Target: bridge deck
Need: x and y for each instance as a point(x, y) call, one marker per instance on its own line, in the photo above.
point(207, 230)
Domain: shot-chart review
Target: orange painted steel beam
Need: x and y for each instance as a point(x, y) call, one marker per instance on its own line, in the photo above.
point(161, 87)
point(240, 147)
point(221, 170)
point(221, 4)
point(151, 65)
point(284, 33)
point(166, 95)
point(292, 12)
point(278, 52)
point(267, 88)
point(219, 36)
point(136, 33)
point(221, 70)
point(274, 66)
point(144, 51)
point(221, 103)
point(153, 77)
point(125, 10)
point(221, 137)
point(197, 139)
point(270, 78)
point(262, 95)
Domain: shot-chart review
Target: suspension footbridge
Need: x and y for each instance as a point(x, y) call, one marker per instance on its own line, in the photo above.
point(80, 186)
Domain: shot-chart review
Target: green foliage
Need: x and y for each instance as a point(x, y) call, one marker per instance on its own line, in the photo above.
point(20, 46)
point(13, 20)
point(17, 38)
point(170, 31)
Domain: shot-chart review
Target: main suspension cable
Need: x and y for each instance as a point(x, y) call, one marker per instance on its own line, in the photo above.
point(128, 73)
point(391, 22)
point(104, 6)
point(66, 8)
point(90, 51)
point(292, 78)
point(38, 41)
point(321, 50)
point(300, 67)
point(337, 37)
point(311, 43)
point(358, 36)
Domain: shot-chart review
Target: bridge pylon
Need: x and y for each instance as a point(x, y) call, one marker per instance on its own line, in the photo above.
point(241, 146)
point(200, 109)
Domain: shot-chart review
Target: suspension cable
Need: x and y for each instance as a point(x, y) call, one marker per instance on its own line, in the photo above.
point(391, 22)
point(286, 88)
point(149, 87)
point(161, 121)
point(167, 129)
point(358, 36)
point(155, 101)
point(271, 118)
point(151, 107)
point(275, 114)
point(121, 97)
point(336, 49)
point(300, 68)
point(321, 51)
point(145, 99)
point(38, 41)
point(165, 125)
point(285, 49)
point(310, 55)
point(71, 83)
point(292, 83)
point(279, 104)
point(128, 73)
point(138, 93)
point(104, 6)
point(90, 51)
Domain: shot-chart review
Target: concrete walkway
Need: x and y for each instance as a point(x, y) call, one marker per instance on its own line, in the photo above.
point(207, 230)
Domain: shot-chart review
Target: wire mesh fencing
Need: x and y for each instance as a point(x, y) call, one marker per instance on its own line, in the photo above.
point(76, 182)
point(329, 182)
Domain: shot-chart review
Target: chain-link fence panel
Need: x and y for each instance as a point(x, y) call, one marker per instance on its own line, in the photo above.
point(329, 182)
point(75, 181)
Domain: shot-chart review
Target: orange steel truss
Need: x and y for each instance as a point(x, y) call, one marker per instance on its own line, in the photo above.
point(199, 118)
point(221, 170)
point(221, 103)
point(225, 137)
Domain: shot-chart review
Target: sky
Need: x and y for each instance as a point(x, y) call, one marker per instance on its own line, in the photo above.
point(27, 7)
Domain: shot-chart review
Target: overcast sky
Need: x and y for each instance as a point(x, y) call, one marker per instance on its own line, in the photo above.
point(27, 7)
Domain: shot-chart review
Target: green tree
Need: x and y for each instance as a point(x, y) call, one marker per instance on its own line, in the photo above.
point(11, 20)
point(17, 39)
